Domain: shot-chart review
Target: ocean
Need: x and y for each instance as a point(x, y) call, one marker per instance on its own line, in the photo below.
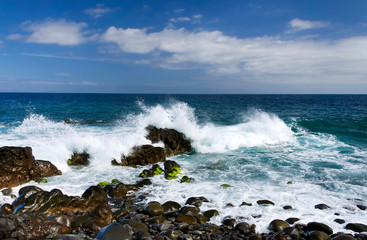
point(297, 150)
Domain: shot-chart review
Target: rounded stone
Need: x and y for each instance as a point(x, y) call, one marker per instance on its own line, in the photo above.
point(265, 202)
point(171, 206)
point(201, 218)
point(322, 206)
point(318, 235)
point(316, 226)
point(114, 231)
point(154, 209)
point(243, 227)
point(343, 237)
point(229, 222)
point(278, 225)
point(292, 232)
point(210, 213)
point(292, 220)
point(357, 227)
point(173, 234)
point(187, 210)
point(187, 219)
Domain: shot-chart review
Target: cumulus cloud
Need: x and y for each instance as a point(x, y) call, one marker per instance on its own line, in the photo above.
point(59, 32)
point(265, 58)
point(98, 11)
point(180, 19)
point(298, 24)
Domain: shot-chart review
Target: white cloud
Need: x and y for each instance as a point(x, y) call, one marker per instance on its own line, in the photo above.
point(59, 32)
point(180, 10)
point(14, 36)
point(197, 16)
point(98, 11)
point(180, 19)
point(265, 58)
point(298, 24)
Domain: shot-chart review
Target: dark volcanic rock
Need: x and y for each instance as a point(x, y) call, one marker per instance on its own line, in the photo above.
point(321, 206)
point(79, 159)
point(171, 206)
point(278, 225)
point(114, 231)
point(30, 226)
point(154, 209)
point(54, 202)
point(143, 155)
point(357, 227)
point(318, 235)
point(174, 142)
point(313, 226)
point(18, 166)
point(265, 202)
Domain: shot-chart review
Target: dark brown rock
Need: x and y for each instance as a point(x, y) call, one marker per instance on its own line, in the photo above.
point(265, 202)
point(143, 155)
point(18, 166)
point(292, 220)
point(79, 159)
point(171, 206)
point(322, 206)
point(154, 209)
point(135, 225)
point(187, 219)
point(114, 231)
point(191, 211)
point(174, 142)
point(210, 213)
point(243, 227)
point(278, 225)
point(318, 235)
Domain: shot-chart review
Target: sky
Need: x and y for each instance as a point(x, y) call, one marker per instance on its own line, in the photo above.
point(191, 46)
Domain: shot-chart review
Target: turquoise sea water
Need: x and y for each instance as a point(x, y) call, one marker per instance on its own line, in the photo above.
point(319, 142)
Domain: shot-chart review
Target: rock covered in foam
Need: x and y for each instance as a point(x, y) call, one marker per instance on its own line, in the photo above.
point(18, 166)
point(174, 142)
point(79, 159)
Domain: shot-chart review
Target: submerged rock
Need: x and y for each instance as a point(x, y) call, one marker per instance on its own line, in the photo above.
point(174, 142)
point(18, 166)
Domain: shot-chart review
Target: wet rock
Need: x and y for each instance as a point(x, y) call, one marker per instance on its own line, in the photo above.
point(79, 159)
point(171, 206)
point(135, 225)
point(114, 231)
point(196, 201)
point(174, 142)
point(229, 222)
point(100, 217)
point(6, 191)
point(278, 225)
point(362, 207)
point(318, 235)
point(191, 211)
point(62, 219)
point(316, 226)
point(287, 207)
point(158, 219)
point(154, 209)
point(172, 234)
point(69, 237)
point(6, 209)
point(340, 221)
point(30, 226)
point(118, 191)
point(210, 213)
point(292, 220)
point(171, 169)
point(292, 232)
point(187, 219)
point(343, 237)
point(357, 227)
point(143, 155)
point(322, 206)
point(201, 218)
point(243, 227)
point(18, 166)
point(246, 204)
point(265, 202)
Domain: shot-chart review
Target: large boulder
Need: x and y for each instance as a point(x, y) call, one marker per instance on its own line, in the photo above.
point(29, 226)
point(174, 142)
point(143, 155)
point(79, 159)
point(55, 202)
point(18, 166)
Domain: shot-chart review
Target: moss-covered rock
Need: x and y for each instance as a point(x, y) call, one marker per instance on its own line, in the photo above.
point(171, 170)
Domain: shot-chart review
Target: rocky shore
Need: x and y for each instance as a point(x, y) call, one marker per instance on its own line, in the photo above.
point(114, 210)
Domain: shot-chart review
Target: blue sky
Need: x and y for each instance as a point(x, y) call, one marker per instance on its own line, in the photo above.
point(208, 46)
